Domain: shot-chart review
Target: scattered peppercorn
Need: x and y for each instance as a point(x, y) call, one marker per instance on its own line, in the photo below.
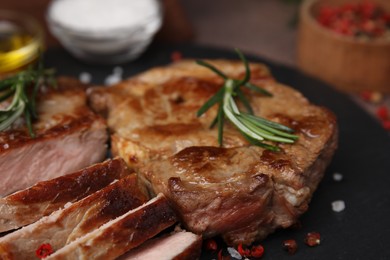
point(383, 113)
point(313, 239)
point(364, 19)
point(211, 245)
point(290, 246)
point(243, 252)
point(374, 97)
point(44, 251)
point(386, 124)
point(257, 251)
point(366, 95)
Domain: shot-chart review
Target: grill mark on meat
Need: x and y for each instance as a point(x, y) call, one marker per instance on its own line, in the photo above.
point(88, 180)
point(121, 234)
point(310, 126)
point(170, 129)
point(27, 206)
point(196, 154)
point(116, 203)
point(72, 222)
point(204, 87)
point(275, 160)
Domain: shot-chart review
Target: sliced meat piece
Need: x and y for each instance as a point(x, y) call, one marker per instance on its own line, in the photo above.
point(177, 246)
point(121, 234)
point(240, 191)
point(75, 220)
point(69, 137)
point(29, 205)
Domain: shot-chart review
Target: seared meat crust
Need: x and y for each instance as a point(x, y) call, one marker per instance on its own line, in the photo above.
point(29, 205)
point(240, 191)
point(75, 220)
point(121, 234)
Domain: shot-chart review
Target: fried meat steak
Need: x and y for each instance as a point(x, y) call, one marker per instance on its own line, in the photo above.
point(239, 191)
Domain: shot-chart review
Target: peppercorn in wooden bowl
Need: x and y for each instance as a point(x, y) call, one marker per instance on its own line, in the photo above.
point(346, 43)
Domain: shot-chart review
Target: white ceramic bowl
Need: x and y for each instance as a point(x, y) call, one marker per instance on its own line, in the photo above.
point(114, 46)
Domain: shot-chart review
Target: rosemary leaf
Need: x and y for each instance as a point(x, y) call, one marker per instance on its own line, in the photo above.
point(23, 102)
point(212, 68)
point(261, 144)
point(4, 84)
point(268, 135)
point(220, 119)
point(247, 69)
point(211, 102)
point(6, 95)
point(27, 117)
point(255, 129)
point(214, 122)
point(270, 129)
point(17, 112)
point(230, 109)
point(257, 89)
point(244, 101)
point(270, 123)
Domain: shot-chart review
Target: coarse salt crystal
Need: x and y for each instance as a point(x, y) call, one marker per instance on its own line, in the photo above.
point(118, 70)
point(85, 77)
point(114, 78)
point(338, 205)
point(234, 253)
point(337, 176)
point(5, 146)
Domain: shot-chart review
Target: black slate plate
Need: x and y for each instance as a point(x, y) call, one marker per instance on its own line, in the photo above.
point(362, 231)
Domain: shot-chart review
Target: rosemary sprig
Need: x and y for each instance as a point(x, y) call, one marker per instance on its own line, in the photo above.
point(255, 129)
point(23, 101)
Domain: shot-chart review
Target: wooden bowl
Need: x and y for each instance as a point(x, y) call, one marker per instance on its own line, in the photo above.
point(349, 64)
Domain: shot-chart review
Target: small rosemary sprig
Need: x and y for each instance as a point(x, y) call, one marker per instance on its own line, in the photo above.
point(23, 101)
point(255, 129)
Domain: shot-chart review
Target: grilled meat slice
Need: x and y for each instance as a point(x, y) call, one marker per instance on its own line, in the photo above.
point(121, 234)
point(69, 136)
point(177, 246)
point(240, 191)
point(75, 220)
point(29, 205)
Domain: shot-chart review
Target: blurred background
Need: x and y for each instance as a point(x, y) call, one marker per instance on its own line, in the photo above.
point(266, 28)
point(263, 27)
